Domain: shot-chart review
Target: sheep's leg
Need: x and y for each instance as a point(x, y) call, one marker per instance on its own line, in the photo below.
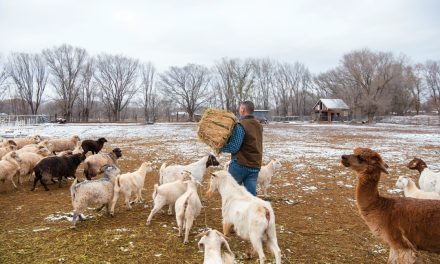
point(35, 183)
point(74, 219)
point(60, 178)
point(107, 208)
point(19, 178)
point(100, 208)
point(258, 246)
point(188, 224)
point(42, 181)
point(12, 180)
point(158, 204)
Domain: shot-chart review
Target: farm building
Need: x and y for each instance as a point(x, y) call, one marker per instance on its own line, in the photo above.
point(330, 110)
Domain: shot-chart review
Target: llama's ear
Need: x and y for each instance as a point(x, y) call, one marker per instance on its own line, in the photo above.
point(383, 167)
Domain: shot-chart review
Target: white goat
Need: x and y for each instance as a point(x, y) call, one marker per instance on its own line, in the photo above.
point(429, 180)
point(253, 219)
point(211, 243)
point(188, 207)
point(266, 173)
point(9, 166)
point(197, 169)
point(410, 189)
point(128, 182)
point(93, 192)
point(167, 194)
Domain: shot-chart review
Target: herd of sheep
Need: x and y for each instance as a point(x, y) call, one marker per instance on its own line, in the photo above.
point(250, 217)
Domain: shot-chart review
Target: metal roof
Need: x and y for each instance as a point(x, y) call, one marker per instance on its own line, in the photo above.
point(333, 104)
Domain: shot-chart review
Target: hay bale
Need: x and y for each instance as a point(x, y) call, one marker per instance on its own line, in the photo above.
point(216, 127)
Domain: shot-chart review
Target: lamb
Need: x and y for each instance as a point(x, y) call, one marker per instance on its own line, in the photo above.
point(36, 147)
point(8, 142)
point(167, 194)
point(211, 242)
point(6, 150)
point(9, 166)
point(253, 218)
point(64, 144)
point(29, 160)
point(88, 193)
point(188, 207)
point(92, 145)
point(93, 164)
point(410, 189)
point(197, 169)
point(21, 142)
point(266, 173)
point(56, 167)
point(405, 224)
point(78, 149)
point(128, 182)
point(429, 180)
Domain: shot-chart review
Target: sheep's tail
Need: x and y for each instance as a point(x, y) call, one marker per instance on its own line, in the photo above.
point(155, 191)
point(73, 189)
point(162, 172)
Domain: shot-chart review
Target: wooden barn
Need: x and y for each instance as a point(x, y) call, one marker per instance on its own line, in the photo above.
point(330, 110)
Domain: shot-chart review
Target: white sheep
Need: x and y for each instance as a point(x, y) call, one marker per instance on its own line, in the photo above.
point(429, 180)
point(35, 147)
point(130, 182)
point(211, 243)
point(6, 150)
point(7, 142)
point(167, 194)
point(29, 160)
point(93, 164)
point(96, 192)
point(410, 189)
point(9, 166)
point(197, 169)
point(64, 144)
point(266, 173)
point(252, 218)
point(188, 207)
point(21, 142)
point(77, 150)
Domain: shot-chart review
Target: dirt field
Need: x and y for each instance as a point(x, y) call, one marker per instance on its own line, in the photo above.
point(312, 196)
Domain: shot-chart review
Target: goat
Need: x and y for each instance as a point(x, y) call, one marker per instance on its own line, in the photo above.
point(429, 180)
point(211, 242)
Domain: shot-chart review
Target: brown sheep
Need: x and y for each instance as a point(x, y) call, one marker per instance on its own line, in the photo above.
point(93, 164)
point(405, 224)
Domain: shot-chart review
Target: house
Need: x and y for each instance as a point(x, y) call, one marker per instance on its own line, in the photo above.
point(330, 110)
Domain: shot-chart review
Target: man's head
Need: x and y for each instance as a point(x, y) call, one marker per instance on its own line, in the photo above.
point(246, 108)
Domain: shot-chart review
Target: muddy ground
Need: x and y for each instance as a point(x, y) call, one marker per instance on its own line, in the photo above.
point(312, 196)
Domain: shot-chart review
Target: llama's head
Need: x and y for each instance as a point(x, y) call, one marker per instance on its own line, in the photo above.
point(216, 179)
point(417, 164)
point(402, 182)
point(364, 160)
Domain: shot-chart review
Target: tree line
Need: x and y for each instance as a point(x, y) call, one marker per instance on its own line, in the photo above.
point(69, 82)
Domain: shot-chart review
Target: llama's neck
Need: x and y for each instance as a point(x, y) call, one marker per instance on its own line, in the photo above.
point(366, 190)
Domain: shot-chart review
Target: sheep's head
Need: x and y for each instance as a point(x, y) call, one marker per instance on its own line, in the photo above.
point(110, 171)
point(36, 138)
point(417, 164)
point(102, 140)
point(12, 147)
point(77, 158)
point(364, 160)
point(212, 161)
point(76, 138)
point(402, 182)
point(117, 152)
point(9, 142)
point(12, 156)
point(213, 239)
point(216, 179)
point(43, 151)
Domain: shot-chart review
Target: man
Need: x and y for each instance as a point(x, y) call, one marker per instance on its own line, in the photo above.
point(246, 148)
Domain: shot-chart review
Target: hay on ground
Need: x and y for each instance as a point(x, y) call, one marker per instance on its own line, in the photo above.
point(215, 128)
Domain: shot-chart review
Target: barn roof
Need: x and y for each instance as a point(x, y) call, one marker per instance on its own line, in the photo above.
point(333, 103)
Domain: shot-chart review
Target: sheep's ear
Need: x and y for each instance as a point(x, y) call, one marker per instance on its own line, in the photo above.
point(212, 174)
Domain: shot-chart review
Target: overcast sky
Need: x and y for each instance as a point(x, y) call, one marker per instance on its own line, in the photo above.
point(174, 33)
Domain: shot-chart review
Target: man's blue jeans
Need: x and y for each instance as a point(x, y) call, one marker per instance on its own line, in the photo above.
point(244, 176)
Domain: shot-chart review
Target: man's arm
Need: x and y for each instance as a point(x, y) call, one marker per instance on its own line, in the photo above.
point(235, 140)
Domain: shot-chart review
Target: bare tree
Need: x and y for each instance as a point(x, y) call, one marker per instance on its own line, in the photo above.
point(87, 90)
point(3, 77)
point(415, 75)
point(116, 76)
point(187, 86)
point(66, 64)
point(432, 79)
point(29, 74)
point(264, 71)
point(149, 96)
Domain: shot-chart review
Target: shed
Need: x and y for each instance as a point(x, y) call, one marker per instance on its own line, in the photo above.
point(330, 110)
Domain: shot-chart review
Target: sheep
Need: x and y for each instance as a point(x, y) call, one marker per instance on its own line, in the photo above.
point(429, 180)
point(167, 194)
point(35, 147)
point(56, 167)
point(92, 145)
point(9, 166)
point(8, 142)
point(29, 160)
point(405, 224)
point(64, 144)
point(197, 169)
point(187, 208)
point(21, 142)
point(128, 182)
point(266, 173)
point(211, 242)
point(78, 149)
point(87, 193)
point(93, 164)
point(410, 189)
point(252, 218)
point(6, 150)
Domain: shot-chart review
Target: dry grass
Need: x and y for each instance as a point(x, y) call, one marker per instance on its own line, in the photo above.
point(314, 226)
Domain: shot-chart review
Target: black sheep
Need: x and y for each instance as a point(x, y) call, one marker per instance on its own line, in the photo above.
point(56, 167)
point(92, 145)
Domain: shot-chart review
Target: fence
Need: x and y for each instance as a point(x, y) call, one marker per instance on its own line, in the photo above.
point(23, 120)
